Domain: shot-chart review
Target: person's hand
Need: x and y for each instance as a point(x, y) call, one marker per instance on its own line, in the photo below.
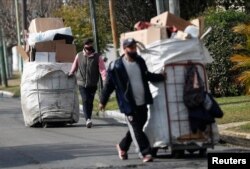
point(101, 107)
point(164, 73)
point(70, 75)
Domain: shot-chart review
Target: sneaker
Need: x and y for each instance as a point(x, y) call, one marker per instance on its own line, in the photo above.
point(121, 153)
point(147, 158)
point(89, 123)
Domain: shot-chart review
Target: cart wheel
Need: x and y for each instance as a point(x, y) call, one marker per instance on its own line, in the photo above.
point(203, 152)
point(178, 153)
point(45, 125)
point(191, 151)
point(61, 124)
point(154, 151)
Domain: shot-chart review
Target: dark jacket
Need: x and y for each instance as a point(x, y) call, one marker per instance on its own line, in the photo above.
point(118, 80)
point(88, 71)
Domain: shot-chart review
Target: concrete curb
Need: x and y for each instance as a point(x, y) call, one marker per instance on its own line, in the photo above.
point(6, 94)
point(116, 114)
point(232, 137)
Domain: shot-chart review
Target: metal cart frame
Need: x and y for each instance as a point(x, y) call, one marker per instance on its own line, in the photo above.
point(45, 121)
point(178, 149)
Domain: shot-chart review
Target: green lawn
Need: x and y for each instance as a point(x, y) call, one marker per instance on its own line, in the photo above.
point(111, 105)
point(243, 128)
point(236, 109)
point(13, 84)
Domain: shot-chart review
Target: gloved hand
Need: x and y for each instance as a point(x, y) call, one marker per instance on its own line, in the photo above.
point(70, 75)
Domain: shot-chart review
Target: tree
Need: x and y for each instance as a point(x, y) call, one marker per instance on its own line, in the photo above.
point(78, 18)
point(129, 12)
point(194, 8)
point(242, 59)
point(231, 4)
point(8, 22)
point(38, 8)
point(41, 8)
point(103, 24)
point(219, 42)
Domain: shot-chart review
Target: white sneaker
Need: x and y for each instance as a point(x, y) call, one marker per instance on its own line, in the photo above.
point(89, 123)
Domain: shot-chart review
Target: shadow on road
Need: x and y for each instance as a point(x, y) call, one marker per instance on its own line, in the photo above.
point(19, 156)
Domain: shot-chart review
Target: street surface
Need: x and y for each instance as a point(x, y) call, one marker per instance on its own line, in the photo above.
point(76, 147)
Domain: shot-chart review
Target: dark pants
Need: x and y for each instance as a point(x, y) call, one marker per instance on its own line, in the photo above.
point(88, 95)
point(135, 133)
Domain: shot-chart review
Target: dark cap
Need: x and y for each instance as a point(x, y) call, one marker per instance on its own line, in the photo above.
point(87, 41)
point(129, 42)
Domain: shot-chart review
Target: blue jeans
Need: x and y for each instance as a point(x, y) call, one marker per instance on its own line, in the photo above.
point(88, 95)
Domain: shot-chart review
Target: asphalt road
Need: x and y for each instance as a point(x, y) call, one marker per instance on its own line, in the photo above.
point(76, 147)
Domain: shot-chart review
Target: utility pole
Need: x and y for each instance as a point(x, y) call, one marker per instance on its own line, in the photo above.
point(95, 35)
point(174, 7)
point(93, 21)
point(162, 6)
point(5, 56)
point(24, 16)
point(2, 62)
point(113, 26)
point(18, 32)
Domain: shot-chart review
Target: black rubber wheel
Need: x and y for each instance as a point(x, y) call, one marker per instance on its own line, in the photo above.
point(178, 153)
point(45, 125)
point(191, 151)
point(203, 152)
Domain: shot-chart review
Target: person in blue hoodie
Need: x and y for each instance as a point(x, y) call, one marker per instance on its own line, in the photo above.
point(129, 76)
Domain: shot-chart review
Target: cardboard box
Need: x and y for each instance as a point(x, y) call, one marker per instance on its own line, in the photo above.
point(23, 54)
point(199, 22)
point(146, 36)
point(182, 35)
point(45, 24)
point(48, 46)
point(168, 19)
point(45, 57)
point(65, 52)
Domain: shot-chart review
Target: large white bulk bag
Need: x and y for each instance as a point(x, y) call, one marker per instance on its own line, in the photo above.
point(157, 55)
point(47, 94)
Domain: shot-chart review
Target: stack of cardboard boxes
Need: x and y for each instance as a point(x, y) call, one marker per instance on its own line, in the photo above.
point(48, 51)
point(158, 29)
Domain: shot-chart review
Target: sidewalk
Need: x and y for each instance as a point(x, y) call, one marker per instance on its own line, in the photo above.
point(232, 137)
point(6, 94)
point(226, 135)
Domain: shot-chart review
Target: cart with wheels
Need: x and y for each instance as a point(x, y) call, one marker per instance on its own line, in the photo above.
point(168, 125)
point(48, 96)
point(181, 137)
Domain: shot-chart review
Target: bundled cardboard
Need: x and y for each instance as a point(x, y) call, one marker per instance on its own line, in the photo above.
point(199, 23)
point(146, 36)
point(182, 35)
point(22, 52)
point(45, 57)
point(54, 51)
point(168, 19)
point(65, 52)
point(45, 24)
point(48, 46)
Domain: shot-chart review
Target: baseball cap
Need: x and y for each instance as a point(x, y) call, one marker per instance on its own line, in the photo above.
point(129, 42)
point(87, 41)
